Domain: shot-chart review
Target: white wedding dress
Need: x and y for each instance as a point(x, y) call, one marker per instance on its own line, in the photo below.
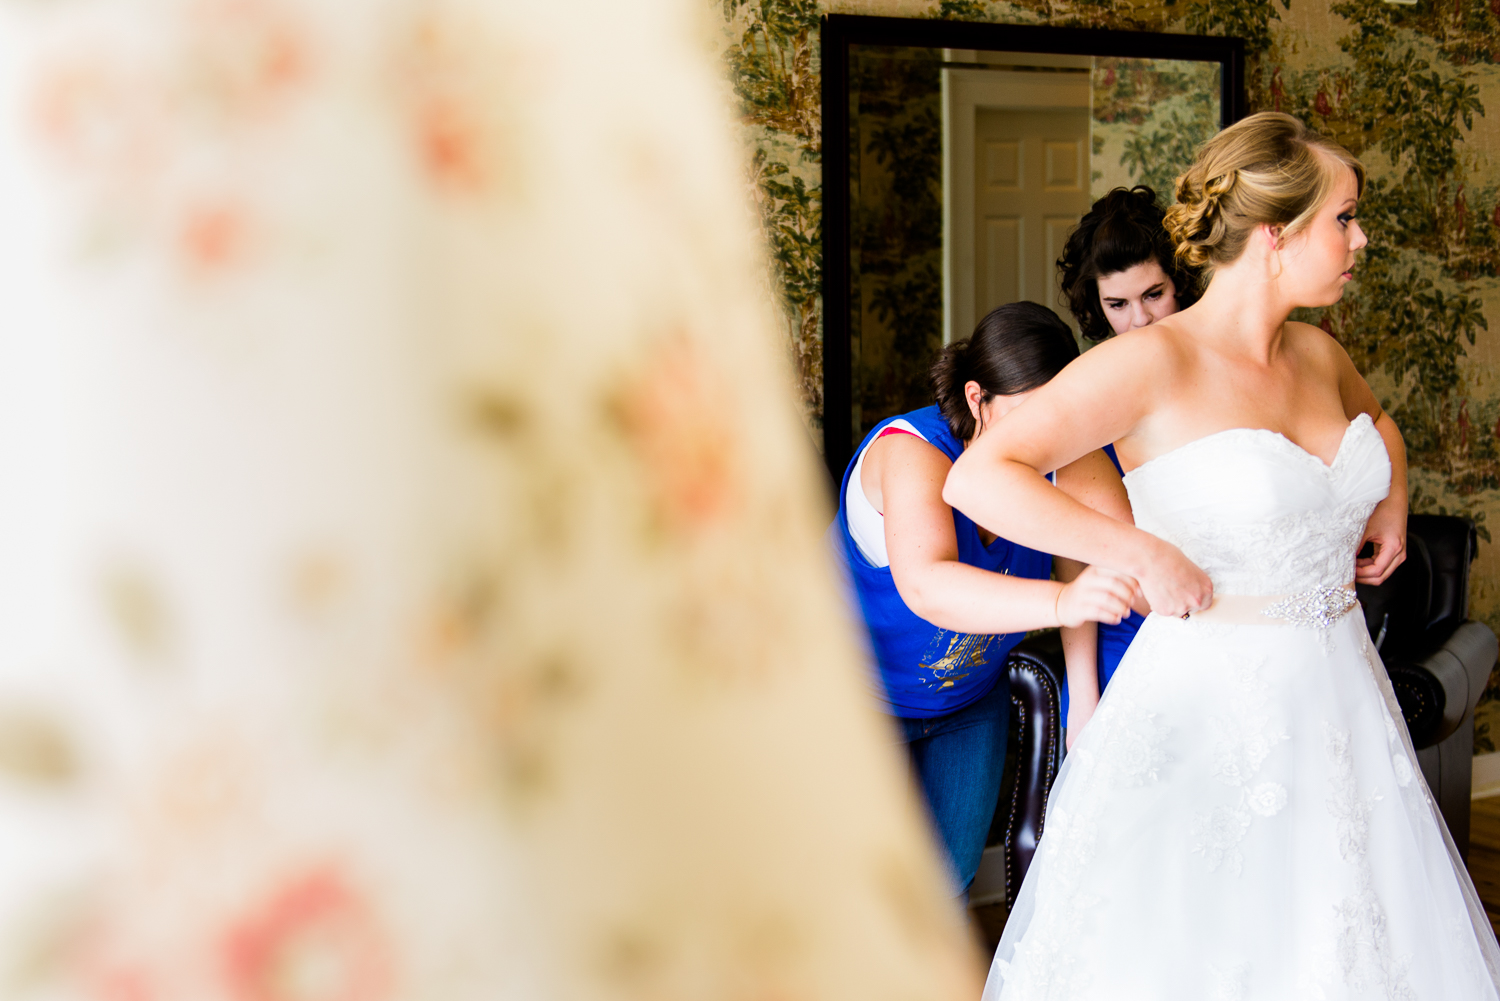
point(1242, 819)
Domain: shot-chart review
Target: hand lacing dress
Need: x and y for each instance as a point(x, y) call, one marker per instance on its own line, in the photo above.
point(1242, 819)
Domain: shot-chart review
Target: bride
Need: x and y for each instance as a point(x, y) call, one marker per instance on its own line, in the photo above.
point(1242, 818)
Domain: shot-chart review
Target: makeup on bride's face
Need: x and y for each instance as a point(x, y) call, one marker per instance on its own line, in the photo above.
point(1330, 241)
point(1137, 297)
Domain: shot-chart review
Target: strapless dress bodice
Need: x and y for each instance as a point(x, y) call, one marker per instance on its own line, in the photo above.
point(1260, 514)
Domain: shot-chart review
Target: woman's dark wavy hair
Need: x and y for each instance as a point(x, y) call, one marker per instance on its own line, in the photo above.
point(1015, 348)
point(1123, 229)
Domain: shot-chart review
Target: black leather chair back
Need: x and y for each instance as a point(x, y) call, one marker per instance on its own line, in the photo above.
point(1033, 752)
point(1415, 612)
point(1427, 598)
point(1451, 543)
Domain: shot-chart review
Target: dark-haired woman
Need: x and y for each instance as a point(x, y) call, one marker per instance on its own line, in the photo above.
point(1119, 272)
point(1119, 269)
point(945, 601)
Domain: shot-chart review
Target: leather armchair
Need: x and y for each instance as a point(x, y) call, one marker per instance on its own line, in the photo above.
point(1438, 660)
point(1032, 754)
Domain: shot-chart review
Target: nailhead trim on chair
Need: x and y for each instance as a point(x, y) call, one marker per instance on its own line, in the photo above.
point(1015, 869)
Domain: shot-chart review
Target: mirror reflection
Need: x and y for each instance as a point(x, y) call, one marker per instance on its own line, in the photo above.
point(969, 168)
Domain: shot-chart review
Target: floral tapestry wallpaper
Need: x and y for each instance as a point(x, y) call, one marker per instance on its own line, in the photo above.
point(1405, 87)
point(1148, 116)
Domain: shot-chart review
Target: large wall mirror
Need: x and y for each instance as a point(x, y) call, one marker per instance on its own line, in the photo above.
point(970, 152)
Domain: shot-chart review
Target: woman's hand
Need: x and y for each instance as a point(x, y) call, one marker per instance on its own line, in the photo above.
point(1096, 595)
point(1173, 584)
point(1387, 531)
point(1080, 711)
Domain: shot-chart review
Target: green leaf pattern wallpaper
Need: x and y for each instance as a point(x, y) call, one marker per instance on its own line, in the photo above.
point(1405, 87)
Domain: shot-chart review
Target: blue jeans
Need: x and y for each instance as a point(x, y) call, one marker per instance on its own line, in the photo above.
point(959, 759)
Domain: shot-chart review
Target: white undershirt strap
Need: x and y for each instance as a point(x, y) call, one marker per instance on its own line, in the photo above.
point(866, 525)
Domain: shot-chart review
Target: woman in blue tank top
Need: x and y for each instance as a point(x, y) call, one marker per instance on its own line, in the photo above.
point(945, 601)
point(1118, 273)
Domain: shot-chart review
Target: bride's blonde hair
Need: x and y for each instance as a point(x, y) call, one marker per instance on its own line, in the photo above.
point(1267, 168)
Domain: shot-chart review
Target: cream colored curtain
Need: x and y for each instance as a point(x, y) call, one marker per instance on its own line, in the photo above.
point(411, 572)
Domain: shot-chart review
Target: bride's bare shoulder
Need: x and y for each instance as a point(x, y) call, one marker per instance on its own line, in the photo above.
point(1306, 333)
point(1317, 347)
point(1150, 352)
point(1324, 364)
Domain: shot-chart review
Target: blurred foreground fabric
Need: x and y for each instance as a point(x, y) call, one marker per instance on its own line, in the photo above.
point(411, 581)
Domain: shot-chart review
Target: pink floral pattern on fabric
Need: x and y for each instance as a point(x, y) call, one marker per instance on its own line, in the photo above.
point(414, 579)
point(313, 940)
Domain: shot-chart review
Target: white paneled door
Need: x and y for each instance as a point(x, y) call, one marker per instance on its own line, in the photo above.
point(1031, 186)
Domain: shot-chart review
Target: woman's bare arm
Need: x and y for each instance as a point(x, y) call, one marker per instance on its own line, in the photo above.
point(1099, 398)
point(923, 551)
point(1081, 657)
point(1093, 482)
point(1387, 525)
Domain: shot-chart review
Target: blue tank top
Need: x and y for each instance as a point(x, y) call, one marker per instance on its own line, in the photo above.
point(1113, 640)
point(926, 671)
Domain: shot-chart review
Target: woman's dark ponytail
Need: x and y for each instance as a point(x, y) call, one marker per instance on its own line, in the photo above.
point(948, 379)
point(1015, 348)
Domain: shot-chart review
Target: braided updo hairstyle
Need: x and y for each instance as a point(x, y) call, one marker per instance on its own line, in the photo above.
point(1121, 230)
point(1267, 168)
point(1015, 348)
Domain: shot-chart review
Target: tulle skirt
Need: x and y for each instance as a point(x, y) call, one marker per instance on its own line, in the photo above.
point(1243, 819)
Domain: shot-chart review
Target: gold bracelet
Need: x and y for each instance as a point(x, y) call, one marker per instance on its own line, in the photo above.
point(1056, 603)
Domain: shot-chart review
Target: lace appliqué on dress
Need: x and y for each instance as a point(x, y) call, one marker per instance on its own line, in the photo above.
point(1362, 946)
point(1043, 966)
point(1124, 747)
point(1232, 984)
point(1217, 835)
point(1243, 741)
point(1293, 553)
point(1132, 744)
point(1401, 765)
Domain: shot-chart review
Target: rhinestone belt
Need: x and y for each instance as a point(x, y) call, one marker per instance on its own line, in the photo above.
point(1318, 607)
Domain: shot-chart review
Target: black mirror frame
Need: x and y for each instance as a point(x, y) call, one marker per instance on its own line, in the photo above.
point(839, 32)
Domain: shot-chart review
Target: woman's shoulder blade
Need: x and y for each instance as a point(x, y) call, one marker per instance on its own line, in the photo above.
point(1145, 354)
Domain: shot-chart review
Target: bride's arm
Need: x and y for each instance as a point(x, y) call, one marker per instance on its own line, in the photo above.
point(935, 584)
point(1387, 525)
point(1097, 399)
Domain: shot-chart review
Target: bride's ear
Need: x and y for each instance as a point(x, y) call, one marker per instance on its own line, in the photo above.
point(1272, 235)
